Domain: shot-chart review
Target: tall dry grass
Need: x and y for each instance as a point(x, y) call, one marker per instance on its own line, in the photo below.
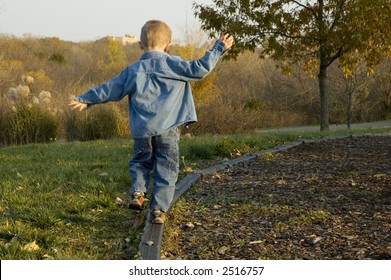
point(99, 122)
point(23, 123)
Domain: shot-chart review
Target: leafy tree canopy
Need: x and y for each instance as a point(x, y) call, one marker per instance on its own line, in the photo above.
point(313, 32)
point(318, 31)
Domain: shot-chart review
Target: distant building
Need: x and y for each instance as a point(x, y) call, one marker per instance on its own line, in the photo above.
point(127, 39)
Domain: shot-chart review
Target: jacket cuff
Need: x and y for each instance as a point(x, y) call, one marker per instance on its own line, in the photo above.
point(81, 100)
point(219, 45)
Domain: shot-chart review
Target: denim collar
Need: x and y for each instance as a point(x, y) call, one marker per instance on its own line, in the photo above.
point(153, 54)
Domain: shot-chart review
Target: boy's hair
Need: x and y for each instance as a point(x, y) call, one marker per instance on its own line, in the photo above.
point(155, 33)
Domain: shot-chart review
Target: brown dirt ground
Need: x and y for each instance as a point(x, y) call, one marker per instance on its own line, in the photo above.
point(322, 200)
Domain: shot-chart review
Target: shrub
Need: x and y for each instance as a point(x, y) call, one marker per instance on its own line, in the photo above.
point(2, 121)
point(26, 117)
point(100, 122)
point(220, 117)
point(71, 125)
point(25, 123)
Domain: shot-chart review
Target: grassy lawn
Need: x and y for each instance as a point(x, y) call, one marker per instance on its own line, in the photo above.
point(69, 200)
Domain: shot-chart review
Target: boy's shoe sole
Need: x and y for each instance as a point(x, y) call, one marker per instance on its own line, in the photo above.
point(157, 217)
point(137, 202)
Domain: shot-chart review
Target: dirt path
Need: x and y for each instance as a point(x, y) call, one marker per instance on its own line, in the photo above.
point(326, 200)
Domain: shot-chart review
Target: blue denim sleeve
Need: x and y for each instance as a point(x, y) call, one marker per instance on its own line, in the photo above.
point(198, 69)
point(112, 90)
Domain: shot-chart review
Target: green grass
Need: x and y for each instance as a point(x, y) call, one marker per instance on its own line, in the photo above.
point(66, 197)
point(68, 200)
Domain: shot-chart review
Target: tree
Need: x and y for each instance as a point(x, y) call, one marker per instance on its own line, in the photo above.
point(355, 88)
point(383, 88)
point(114, 60)
point(204, 90)
point(314, 33)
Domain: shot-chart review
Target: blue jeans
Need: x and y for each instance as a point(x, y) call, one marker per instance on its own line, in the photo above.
point(158, 155)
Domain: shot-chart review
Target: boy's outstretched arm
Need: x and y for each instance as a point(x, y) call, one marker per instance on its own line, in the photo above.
point(199, 68)
point(77, 105)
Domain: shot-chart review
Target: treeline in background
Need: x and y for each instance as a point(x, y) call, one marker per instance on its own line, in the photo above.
point(38, 77)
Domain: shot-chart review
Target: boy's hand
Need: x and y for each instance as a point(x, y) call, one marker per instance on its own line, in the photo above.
point(77, 105)
point(228, 40)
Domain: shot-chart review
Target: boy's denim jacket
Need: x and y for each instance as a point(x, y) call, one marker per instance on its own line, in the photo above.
point(158, 86)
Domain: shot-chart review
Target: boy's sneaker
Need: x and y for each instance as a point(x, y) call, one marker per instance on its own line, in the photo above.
point(136, 201)
point(157, 217)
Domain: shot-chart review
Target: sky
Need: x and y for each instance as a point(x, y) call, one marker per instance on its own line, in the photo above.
point(87, 20)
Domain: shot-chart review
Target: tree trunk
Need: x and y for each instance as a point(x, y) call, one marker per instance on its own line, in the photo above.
point(350, 112)
point(322, 75)
point(350, 109)
point(324, 98)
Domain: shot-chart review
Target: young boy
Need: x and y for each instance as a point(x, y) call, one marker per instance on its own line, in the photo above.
point(160, 100)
